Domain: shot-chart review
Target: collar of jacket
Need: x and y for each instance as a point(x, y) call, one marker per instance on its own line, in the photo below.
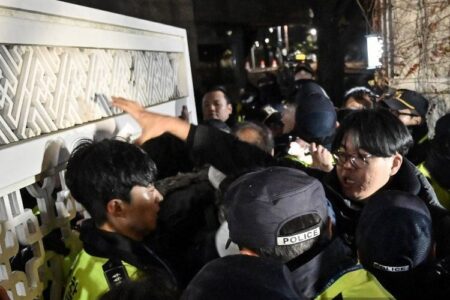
point(111, 245)
point(312, 275)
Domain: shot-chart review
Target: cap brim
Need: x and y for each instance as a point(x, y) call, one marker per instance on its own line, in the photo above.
point(394, 104)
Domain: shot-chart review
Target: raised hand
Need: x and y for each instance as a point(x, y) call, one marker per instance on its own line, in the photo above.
point(152, 124)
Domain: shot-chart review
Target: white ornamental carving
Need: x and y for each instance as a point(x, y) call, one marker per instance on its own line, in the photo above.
point(46, 89)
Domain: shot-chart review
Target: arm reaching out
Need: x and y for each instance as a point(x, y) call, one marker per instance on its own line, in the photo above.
point(152, 124)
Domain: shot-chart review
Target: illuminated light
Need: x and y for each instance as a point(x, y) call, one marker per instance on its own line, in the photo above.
point(274, 63)
point(374, 51)
point(313, 31)
point(271, 30)
point(300, 56)
point(257, 44)
point(262, 64)
point(229, 32)
point(266, 40)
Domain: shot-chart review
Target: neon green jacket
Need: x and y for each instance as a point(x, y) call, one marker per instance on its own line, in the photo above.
point(355, 284)
point(442, 194)
point(87, 279)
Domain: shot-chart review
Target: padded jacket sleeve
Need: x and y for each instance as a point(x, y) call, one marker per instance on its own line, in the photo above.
point(225, 152)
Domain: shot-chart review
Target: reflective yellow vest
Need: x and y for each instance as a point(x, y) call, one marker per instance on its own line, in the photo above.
point(442, 194)
point(356, 283)
point(87, 279)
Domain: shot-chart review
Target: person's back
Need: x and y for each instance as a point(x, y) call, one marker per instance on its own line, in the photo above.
point(241, 277)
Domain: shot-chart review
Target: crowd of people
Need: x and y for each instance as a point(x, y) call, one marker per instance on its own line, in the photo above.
point(297, 200)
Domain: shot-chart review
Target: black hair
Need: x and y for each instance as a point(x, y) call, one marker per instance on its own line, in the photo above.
point(359, 94)
point(377, 131)
point(264, 139)
point(98, 172)
point(220, 88)
point(289, 252)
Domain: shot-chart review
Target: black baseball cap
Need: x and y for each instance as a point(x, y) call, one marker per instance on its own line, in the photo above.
point(394, 233)
point(315, 119)
point(407, 99)
point(260, 203)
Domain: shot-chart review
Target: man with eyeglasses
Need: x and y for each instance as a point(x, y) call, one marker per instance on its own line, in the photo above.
point(369, 149)
point(411, 109)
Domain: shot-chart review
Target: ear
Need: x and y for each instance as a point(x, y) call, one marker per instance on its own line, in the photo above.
point(230, 108)
point(396, 163)
point(115, 207)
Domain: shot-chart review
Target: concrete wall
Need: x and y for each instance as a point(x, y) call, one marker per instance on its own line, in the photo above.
point(419, 41)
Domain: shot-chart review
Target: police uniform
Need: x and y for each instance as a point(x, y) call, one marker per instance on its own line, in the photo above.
point(107, 260)
point(442, 194)
point(354, 283)
point(88, 280)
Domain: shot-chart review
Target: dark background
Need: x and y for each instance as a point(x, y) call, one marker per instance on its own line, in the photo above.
point(227, 29)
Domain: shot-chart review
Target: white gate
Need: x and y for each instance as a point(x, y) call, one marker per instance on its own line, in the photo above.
point(59, 65)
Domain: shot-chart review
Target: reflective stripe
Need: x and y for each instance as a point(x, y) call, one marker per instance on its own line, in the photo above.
point(423, 139)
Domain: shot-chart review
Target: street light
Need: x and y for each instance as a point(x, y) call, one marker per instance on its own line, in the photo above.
point(374, 51)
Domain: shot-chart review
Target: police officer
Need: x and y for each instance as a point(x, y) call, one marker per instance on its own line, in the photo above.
point(113, 180)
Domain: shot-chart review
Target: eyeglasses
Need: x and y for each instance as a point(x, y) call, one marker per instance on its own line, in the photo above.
point(398, 113)
point(358, 161)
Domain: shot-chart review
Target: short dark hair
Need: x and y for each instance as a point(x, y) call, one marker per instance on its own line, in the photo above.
point(219, 88)
point(264, 139)
point(377, 131)
point(359, 93)
point(98, 172)
point(289, 252)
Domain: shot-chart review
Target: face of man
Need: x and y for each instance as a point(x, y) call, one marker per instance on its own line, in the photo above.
point(408, 117)
point(215, 106)
point(358, 183)
point(141, 213)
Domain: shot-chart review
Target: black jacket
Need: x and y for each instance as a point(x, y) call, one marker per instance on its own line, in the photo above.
point(408, 179)
point(233, 157)
point(116, 247)
point(313, 270)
